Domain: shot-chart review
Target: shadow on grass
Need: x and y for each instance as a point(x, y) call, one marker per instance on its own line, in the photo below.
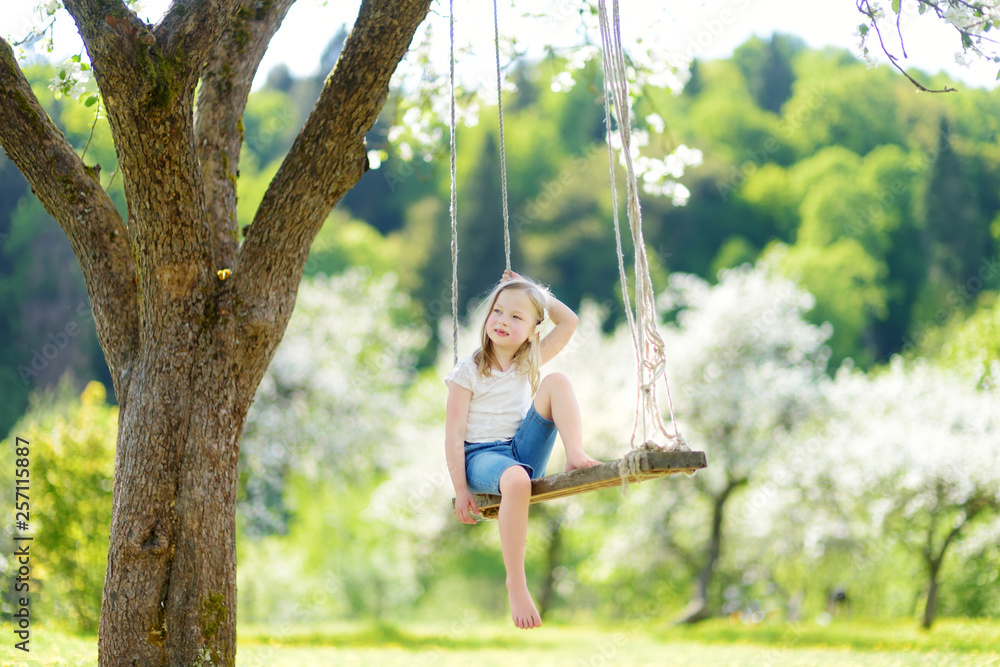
point(389, 635)
point(973, 637)
point(951, 635)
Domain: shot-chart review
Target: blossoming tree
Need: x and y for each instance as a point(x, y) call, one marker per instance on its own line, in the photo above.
point(908, 456)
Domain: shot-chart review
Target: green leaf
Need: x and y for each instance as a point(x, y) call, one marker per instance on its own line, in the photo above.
point(998, 75)
point(863, 29)
point(922, 7)
point(62, 74)
point(895, 6)
point(76, 58)
point(90, 101)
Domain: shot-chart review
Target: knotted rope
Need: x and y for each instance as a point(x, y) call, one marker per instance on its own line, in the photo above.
point(647, 344)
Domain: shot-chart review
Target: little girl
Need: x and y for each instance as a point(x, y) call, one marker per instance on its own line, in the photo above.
point(496, 439)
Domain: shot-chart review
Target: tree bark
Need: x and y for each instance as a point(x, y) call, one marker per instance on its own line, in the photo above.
point(186, 346)
point(225, 85)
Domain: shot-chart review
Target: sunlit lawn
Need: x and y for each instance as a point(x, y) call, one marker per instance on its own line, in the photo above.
point(718, 642)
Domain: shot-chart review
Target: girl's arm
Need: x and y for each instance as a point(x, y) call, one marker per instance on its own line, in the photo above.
point(561, 315)
point(456, 416)
point(565, 320)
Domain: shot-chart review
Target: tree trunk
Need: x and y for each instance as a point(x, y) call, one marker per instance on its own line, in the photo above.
point(170, 589)
point(699, 609)
point(934, 560)
point(930, 608)
point(188, 320)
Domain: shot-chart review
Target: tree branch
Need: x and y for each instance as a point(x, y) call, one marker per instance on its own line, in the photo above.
point(115, 39)
point(872, 14)
point(75, 198)
point(327, 159)
point(971, 507)
point(191, 28)
point(222, 98)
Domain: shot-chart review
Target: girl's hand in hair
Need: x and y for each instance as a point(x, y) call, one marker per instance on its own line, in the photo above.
point(510, 275)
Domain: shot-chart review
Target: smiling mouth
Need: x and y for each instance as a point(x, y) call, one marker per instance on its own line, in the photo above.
point(499, 332)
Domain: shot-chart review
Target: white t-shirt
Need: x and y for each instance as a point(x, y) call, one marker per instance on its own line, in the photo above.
point(499, 402)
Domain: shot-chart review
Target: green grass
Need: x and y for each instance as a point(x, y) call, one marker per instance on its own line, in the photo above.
point(718, 642)
point(49, 647)
point(948, 635)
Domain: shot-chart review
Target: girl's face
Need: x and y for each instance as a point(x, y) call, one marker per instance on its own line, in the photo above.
point(512, 320)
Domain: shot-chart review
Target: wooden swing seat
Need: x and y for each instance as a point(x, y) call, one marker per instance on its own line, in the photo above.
point(651, 465)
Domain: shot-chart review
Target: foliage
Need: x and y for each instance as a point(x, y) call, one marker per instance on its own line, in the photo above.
point(846, 282)
point(71, 462)
point(767, 67)
point(972, 344)
point(339, 560)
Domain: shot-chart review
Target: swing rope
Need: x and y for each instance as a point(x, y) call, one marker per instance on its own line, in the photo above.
point(453, 209)
point(503, 157)
point(647, 344)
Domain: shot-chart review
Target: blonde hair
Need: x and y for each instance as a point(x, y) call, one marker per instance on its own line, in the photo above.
point(528, 358)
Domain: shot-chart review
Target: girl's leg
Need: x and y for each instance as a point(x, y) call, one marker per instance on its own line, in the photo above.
point(556, 400)
point(515, 490)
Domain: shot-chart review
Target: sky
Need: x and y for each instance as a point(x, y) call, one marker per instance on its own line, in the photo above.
point(705, 29)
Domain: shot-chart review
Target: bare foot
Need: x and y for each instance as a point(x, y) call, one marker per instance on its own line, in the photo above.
point(522, 608)
point(580, 460)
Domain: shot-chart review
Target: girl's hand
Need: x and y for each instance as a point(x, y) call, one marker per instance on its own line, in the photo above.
point(465, 507)
point(510, 275)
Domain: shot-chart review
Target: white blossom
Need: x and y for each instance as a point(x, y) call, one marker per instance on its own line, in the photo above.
point(562, 81)
point(655, 121)
point(71, 80)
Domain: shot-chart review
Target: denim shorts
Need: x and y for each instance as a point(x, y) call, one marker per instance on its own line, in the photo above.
point(530, 448)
